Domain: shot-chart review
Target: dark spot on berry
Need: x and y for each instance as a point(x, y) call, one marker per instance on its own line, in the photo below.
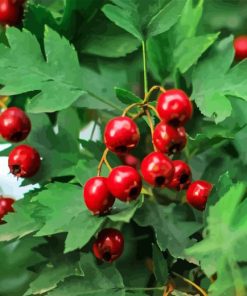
point(174, 148)
point(174, 122)
point(184, 178)
point(121, 149)
point(159, 181)
point(15, 169)
point(107, 256)
point(16, 137)
point(133, 192)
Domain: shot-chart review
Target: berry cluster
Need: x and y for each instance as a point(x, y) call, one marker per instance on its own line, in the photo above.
point(124, 182)
point(24, 160)
point(11, 12)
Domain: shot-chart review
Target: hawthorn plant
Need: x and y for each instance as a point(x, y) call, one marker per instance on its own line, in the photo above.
point(157, 205)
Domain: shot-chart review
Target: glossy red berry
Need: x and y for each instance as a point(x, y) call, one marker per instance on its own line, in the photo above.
point(14, 125)
point(130, 160)
point(198, 193)
point(157, 169)
point(174, 107)
point(5, 206)
point(121, 134)
point(24, 161)
point(169, 139)
point(240, 46)
point(97, 196)
point(11, 12)
point(109, 245)
point(182, 176)
point(125, 183)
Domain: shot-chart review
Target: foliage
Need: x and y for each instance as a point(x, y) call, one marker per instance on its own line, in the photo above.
point(76, 62)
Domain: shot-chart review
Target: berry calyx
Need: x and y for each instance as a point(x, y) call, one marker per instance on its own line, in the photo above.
point(109, 245)
point(5, 206)
point(174, 107)
point(157, 169)
point(125, 183)
point(198, 193)
point(11, 12)
point(182, 176)
point(130, 160)
point(169, 139)
point(97, 196)
point(240, 46)
point(121, 134)
point(14, 125)
point(24, 161)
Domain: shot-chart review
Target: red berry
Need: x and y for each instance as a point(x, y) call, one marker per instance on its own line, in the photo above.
point(125, 183)
point(240, 46)
point(169, 139)
point(130, 160)
point(121, 134)
point(14, 125)
point(24, 161)
point(157, 169)
point(182, 176)
point(109, 245)
point(174, 107)
point(97, 196)
point(198, 193)
point(10, 12)
point(5, 206)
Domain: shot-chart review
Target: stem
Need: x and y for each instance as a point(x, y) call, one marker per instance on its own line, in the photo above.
point(126, 110)
point(153, 88)
point(153, 109)
point(199, 289)
point(144, 67)
point(93, 130)
point(139, 114)
point(3, 101)
point(102, 161)
point(150, 122)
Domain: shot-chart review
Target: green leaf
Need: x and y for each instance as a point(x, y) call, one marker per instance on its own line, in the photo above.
point(27, 221)
point(64, 202)
point(165, 18)
point(158, 17)
point(210, 92)
point(98, 280)
point(35, 19)
point(81, 229)
point(123, 212)
point(52, 274)
point(239, 143)
point(127, 97)
point(227, 219)
point(58, 87)
point(160, 266)
point(164, 60)
point(171, 233)
point(197, 45)
point(16, 258)
point(103, 38)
